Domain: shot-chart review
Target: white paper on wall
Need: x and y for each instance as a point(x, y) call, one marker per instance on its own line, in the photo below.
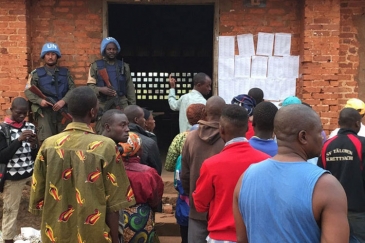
point(226, 89)
point(225, 67)
point(290, 67)
point(287, 87)
point(282, 44)
point(226, 46)
point(272, 89)
point(246, 46)
point(275, 67)
point(259, 67)
point(242, 66)
point(265, 44)
point(242, 86)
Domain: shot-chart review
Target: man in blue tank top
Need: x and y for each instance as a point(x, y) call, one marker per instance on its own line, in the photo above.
point(121, 92)
point(54, 82)
point(286, 199)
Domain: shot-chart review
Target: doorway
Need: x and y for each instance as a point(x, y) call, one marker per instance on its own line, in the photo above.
point(157, 40)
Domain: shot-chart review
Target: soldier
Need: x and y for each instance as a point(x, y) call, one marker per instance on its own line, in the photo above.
point(55, 83)
point(111, 79)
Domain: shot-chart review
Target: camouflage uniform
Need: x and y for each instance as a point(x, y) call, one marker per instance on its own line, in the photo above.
point(51, 123)
point(109, 103)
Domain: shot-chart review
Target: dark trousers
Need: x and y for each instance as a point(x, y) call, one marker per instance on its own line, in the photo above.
point(184, 233)
point(198, 231)
point(357, 225)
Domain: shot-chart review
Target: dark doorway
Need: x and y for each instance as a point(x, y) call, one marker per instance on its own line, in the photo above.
point(157, 40)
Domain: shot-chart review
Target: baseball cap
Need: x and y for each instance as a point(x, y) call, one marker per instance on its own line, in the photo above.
point(246, 101)
point(291, 100)
point(356, 104)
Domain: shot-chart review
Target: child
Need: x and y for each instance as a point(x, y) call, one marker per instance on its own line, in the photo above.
point(147, 186)
point(18, 151)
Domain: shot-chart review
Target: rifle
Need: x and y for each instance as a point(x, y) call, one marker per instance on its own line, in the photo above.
point(104, 75)
point(66, 116)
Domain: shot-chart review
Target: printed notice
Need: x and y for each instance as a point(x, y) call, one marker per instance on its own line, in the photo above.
point(286, 88)
point(226, 46)
point(290, 67)
point(265, 44)
point(275, 67)
point(282, 44)
point(242, 66)
point(259, 67)
point(242, 86)
point(226, 89)
point(225, 67)
point(246, 46)
point(271, 90)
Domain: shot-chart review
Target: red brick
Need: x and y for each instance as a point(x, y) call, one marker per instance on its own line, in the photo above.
point(10, 94)
point(322, 20)
point(7, 18)
point(322, 58)
point(62, 10)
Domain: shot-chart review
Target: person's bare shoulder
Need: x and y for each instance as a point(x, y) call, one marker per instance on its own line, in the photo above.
point(330, 209)
point(327, 187)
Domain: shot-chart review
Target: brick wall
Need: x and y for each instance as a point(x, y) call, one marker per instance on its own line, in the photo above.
point(14, 51)
point(320, 55)
point(277, 16)
point(76, 26)
point(327, 34)
point(352, 50)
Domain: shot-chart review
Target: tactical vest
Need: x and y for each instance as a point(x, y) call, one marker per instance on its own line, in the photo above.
point(47, 83)
point(116, 75)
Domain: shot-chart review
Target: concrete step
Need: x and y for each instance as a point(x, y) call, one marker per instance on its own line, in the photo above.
point(165, 225)
point(170, 198)
point(169, 187)
point(169, 239)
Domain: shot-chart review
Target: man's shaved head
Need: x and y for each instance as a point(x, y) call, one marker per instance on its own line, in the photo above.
point(291, 119)
point(214, 106)
point(298, 128)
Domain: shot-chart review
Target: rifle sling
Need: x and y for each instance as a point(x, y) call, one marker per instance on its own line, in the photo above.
point(56, 83)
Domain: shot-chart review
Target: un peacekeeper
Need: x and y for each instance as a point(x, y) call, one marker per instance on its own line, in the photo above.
point(122, 92)
point(54, 82)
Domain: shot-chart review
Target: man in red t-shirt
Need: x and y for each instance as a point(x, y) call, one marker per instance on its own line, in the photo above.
point(219, 174)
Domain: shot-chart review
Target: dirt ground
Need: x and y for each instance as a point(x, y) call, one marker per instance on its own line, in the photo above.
point(25, 219)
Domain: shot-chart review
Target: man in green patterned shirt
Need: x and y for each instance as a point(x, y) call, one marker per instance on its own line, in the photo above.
point(79, 182)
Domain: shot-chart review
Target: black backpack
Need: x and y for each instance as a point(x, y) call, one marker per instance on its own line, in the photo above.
point(3, 166)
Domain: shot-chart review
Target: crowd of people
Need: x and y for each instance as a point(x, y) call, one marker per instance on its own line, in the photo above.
point(244, 172)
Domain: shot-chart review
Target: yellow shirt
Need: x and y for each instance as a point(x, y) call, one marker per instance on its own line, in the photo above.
point(78, 178)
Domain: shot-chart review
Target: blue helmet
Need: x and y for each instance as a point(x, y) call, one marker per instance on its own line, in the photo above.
point(106, 41)
point(50, 47)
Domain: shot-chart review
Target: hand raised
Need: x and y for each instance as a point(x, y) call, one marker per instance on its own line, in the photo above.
point(172, 82)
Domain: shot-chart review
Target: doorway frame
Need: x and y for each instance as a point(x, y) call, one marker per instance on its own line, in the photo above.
point(215, 3)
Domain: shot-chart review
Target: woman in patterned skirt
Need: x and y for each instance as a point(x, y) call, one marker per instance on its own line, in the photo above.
point(138, 221)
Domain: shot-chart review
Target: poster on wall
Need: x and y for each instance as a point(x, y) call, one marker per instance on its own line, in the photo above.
point(246, 46)
point(242, 66)
point(282, 44)
point(225, 67)
point(265, 43)
point(226, 46)
point(275, 74)
point(259, 67)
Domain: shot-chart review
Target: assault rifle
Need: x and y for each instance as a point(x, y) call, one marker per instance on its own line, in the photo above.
point(66, 116)
point(104, 75)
